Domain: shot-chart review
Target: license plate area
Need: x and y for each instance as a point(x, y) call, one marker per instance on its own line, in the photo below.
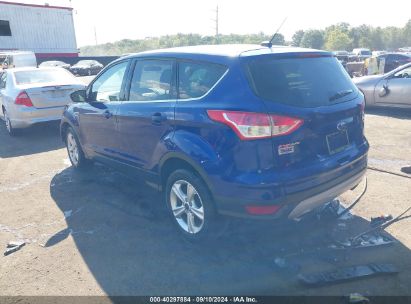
point(58, 94)
point(337, 142)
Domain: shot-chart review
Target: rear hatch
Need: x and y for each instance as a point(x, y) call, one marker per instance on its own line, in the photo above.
point(315, 89)
point(48, 88)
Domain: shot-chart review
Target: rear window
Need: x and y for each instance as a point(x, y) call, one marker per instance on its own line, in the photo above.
point(43, 76)
point(302, 82)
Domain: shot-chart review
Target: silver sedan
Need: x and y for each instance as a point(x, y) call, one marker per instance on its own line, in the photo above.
point(33, 95)
point(391, 89)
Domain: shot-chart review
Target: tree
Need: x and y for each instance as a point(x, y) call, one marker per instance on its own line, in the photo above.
point(297, 37)
point(279, 40)
point(361, 36)
point(377, 42)
point(407, 34)
point(337, 40)
point(393, 38)
point(313, 39)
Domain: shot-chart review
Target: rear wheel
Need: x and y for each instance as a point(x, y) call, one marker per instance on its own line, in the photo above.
point(191, 207)
point(75, 153)
point(9, 127)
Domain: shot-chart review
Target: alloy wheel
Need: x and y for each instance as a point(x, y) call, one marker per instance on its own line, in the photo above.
point(72, 149)
point(187, 207)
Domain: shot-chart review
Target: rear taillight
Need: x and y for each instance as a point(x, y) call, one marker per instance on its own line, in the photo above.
point(249, 126)
point(23, 99)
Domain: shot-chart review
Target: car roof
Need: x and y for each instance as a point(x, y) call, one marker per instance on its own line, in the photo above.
point(223, 51)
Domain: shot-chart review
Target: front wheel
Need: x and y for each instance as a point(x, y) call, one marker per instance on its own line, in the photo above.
point(191, 207)
point(75, 153)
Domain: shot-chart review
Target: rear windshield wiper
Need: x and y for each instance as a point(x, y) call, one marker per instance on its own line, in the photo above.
point(340, 94)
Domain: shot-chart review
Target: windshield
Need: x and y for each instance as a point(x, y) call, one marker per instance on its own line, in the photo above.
point(43, 76)
point(302, 82)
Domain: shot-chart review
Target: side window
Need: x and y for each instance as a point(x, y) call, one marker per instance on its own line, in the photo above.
point(404, 73)
point(152, 80)
point(108, 86)
point(3, 78)
point(196, 78)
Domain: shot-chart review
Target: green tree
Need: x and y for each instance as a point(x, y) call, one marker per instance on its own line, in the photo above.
point(313, 39)
point(297, 37)
point(393, 38)
point(337, 40)
point(407, 34)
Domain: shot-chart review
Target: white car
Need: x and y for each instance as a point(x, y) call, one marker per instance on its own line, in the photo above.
point(33, 95)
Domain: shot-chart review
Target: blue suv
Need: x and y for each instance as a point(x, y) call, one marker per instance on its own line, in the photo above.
point(242, 130)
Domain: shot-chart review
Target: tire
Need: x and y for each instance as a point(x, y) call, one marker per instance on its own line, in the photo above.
point(10, 130)
point(74, 151)
point(195, 219)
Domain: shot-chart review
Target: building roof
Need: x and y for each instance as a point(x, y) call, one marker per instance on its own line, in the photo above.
point(36, 5)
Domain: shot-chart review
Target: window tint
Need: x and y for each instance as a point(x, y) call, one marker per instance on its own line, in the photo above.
point(108, 86)
point(197, 79)
point(152, 80)
point(302, 82)
point(5, 28)
point(43, 76)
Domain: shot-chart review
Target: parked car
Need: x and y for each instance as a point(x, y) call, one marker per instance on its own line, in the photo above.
point(384, 63)
point(394, 60)
point(341, 55)
point(361, 54)
point(32, 95)
point(55, 64)
point(390, 89)
point(378, 53)
point(86, 68)
point(239, 130)
point(18, 59)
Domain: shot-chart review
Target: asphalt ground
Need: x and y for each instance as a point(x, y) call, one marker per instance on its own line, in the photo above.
point(97, 232)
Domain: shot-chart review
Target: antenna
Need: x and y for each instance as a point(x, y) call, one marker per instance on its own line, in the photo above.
point(270, 43)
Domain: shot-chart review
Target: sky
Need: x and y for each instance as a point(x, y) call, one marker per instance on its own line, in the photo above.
point(121, 19)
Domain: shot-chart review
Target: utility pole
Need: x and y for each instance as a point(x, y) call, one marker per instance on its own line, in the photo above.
point(217, 34)
point(95, 34)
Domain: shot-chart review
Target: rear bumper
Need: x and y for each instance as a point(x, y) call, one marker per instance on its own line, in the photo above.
point(296, 199)
point(24, 117)
point(315, 201)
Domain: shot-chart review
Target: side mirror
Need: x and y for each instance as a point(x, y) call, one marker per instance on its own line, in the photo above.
point(384, 91)
point(79, 96)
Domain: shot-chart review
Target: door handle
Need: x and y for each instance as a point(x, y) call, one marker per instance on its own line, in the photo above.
point(108, 114)
point(157, 118)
